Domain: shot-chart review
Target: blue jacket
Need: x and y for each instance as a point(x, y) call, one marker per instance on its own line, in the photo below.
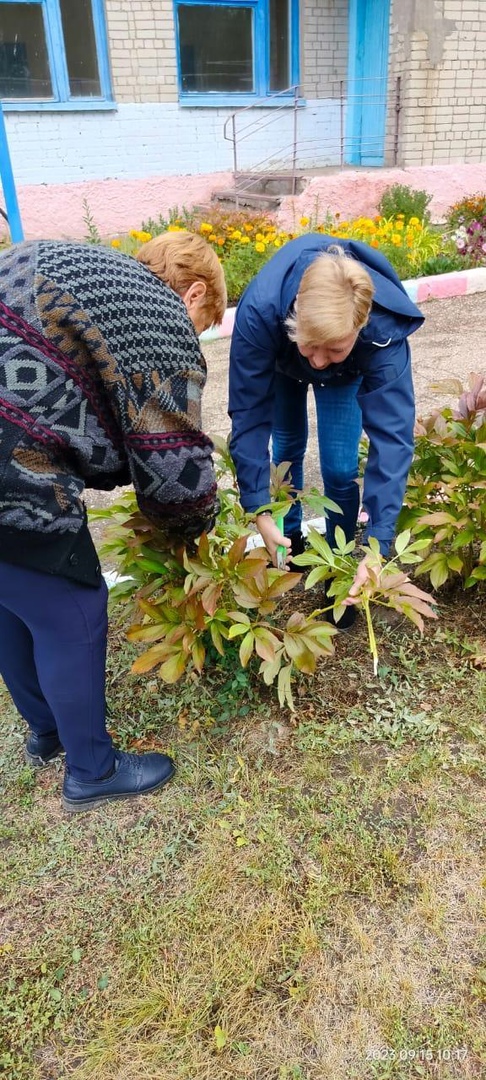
point(380, 359)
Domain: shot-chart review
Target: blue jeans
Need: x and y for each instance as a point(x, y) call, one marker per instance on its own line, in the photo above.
point(339, 427)
point(52, 660)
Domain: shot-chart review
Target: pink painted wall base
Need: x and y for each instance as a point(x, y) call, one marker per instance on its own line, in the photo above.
point(56, 210)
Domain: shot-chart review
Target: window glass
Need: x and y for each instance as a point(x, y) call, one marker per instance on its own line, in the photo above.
point(24, 63)
point(279, 44)
point(216, 53)
point(80, 45)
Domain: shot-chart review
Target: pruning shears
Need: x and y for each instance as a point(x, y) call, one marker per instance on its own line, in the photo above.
point(282, 551)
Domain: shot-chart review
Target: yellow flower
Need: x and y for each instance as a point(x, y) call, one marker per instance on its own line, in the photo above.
point(399, 224)
point(396, 239)
point(116, 243)
point(144, 237)
point(277, 243)
point(174, 228)
point(304, 221)
point(212, 237)
point(248, 227)
point(236, 235)
point(205, 228)
point(259, 246)
point(260, 237)
point(414, 221)
point(245, 240)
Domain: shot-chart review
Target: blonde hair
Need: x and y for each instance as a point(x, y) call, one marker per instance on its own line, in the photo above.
point(182, 258)
point(334, 300)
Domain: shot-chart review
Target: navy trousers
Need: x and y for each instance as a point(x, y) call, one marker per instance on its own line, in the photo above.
point(53, 636)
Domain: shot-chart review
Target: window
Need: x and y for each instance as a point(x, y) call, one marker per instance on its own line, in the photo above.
point(236, 48)
point(53, 53)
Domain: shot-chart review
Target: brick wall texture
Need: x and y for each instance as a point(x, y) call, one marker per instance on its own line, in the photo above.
point(438, 48)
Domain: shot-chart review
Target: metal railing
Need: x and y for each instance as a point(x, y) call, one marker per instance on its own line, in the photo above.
point(302, 150)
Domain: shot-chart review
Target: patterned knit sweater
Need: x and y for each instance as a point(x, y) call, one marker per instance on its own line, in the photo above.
point(101, 376)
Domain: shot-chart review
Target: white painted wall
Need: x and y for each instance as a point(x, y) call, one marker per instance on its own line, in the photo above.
point(141, 140)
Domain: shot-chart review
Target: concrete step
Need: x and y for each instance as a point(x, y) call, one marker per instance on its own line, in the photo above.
point(247, 198)
point(271, 183)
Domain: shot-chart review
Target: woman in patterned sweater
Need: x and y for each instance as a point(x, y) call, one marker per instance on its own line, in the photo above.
point(101, 376)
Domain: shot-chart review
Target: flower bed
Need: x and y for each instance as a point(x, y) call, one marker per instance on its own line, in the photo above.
point(245, 241)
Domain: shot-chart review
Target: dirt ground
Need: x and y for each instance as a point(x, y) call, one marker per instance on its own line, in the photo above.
point(450, 343)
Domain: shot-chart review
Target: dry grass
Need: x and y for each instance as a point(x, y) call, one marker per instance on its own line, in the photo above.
point(306, 892)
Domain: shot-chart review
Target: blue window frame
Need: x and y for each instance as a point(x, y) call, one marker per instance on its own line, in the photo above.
point(54, 55)
point(235, 51)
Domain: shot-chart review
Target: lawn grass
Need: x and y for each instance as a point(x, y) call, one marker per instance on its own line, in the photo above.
point(305, 901)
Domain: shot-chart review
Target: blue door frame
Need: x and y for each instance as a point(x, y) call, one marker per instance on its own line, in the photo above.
point(369, 22)
point(8, 185)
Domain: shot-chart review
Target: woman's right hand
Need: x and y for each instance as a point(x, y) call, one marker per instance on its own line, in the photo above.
point(271, 536)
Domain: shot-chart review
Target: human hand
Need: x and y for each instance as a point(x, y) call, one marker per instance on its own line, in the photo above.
point(271, 536)
point(362, 575)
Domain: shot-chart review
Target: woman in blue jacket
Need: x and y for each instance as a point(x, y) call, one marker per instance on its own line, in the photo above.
point(332, 315)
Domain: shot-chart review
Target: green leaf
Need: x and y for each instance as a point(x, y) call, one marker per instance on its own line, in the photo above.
point(172, 669)
point(103, 982)
point(440, 572)
point(284, 687)
point(319, 573)
point(55, 994)
point(340, 538)
point(237, 630)
point(216, 638)
point(76, 955)
point(198, 653)
point(321, 545)
point(402, 541)
point(246, 649)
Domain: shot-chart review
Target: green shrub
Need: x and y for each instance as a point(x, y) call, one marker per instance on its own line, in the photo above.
point(406, 201)
point(445, 500)
point(240, 266)
point(444, 263)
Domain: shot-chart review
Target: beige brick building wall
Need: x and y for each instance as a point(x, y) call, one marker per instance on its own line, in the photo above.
point(324, 47)
point(438, 47)
point(141, 42)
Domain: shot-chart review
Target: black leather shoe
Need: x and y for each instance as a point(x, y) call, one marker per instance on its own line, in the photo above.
point(41, 749)
point(347, 620)
point(133, 775)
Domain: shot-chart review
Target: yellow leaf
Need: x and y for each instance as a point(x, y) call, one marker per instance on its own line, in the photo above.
point(220, 1037)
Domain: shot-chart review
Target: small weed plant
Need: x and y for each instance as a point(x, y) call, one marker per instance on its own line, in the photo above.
point(446, 492)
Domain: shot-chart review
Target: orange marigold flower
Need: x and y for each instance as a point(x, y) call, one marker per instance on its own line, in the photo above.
point(374, 243)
